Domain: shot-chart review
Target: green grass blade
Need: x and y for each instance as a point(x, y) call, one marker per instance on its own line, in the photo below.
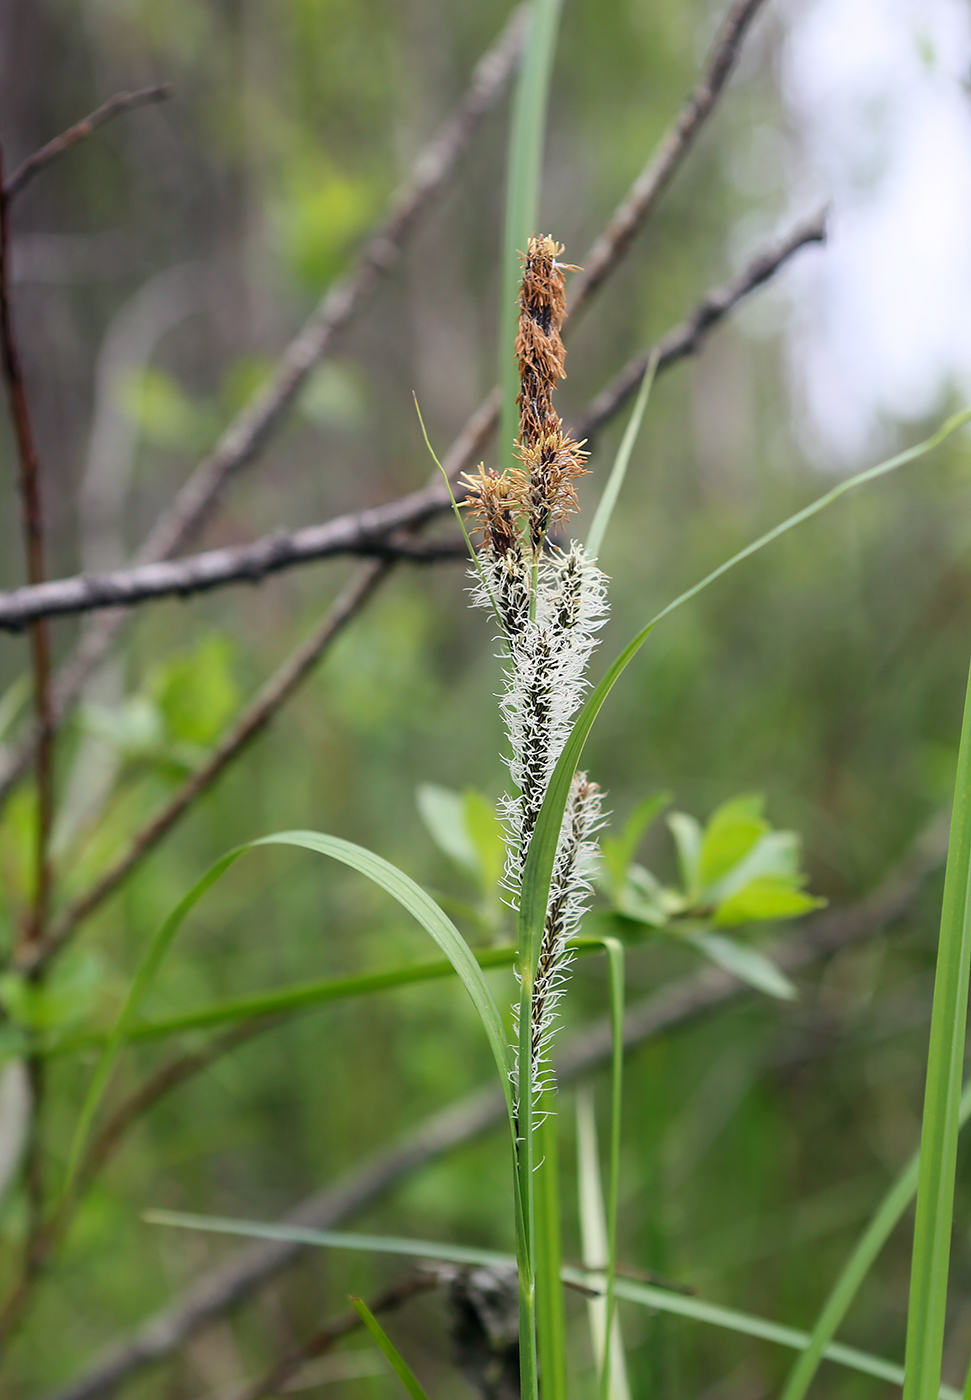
point(542, 848)
point(594, 1230)
point(940, 1126)
point(647, 1295)
point(538, 870)
point(615, 966)
point(712, 1313)
point(304, 996)
point(387, 876)
point(607, 502)
point(550, 1311)
point(289, 1000)
point(456, 511)
point(876, 1234)
point(330, 1239)
point(523, 181)
point(396, 1361)
point(424, 909)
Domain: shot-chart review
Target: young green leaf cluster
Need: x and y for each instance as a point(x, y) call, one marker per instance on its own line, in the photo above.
point(737, 871)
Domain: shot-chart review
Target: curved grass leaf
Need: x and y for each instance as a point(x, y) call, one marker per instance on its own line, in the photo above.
point(665, 1301)
point(939, 1129)
point(387, 876)
point(647, 1295)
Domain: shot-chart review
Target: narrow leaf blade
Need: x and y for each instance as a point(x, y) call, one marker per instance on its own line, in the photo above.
point(397, 1362)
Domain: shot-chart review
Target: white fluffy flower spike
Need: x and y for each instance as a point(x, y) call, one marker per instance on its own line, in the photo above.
point(550, 603)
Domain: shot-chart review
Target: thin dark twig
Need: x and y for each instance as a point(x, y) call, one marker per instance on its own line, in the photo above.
point(636, 209)
point(326, 1337)
point(375, 530)
point(676, 1004)
point(250, 723)
point(687, 338)
point(121, 102)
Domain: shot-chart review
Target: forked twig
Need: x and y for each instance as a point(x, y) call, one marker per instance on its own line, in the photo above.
point(33, 531)
point(33, 930)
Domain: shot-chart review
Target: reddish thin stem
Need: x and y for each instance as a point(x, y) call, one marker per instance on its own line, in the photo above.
point(121, 102)
point(33, 522)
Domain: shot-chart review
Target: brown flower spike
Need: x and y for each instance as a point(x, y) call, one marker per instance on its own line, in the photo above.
point(528, 500)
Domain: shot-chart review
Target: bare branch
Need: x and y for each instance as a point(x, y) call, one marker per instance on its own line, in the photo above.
point(225, 1287)
point(362, 533)
point(688, 338)
point(374, 531)
point(647, 189)
point(121, 102)
point(250, 723)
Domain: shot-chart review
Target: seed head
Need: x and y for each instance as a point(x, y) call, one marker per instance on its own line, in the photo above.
point(539, 346)
point(551, 464)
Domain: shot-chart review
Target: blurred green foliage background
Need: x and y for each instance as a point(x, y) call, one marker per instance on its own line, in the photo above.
point(827, 673)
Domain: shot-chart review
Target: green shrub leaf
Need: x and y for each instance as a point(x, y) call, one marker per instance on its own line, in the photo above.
point(764, 899)
point(747, 964)
point(733, 829)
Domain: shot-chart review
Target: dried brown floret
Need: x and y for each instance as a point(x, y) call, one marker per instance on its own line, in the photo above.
point(539, 347)
point(494, 501)
point(550, 467)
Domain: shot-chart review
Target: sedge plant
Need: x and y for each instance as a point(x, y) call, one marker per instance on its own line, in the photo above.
point(548, 600)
